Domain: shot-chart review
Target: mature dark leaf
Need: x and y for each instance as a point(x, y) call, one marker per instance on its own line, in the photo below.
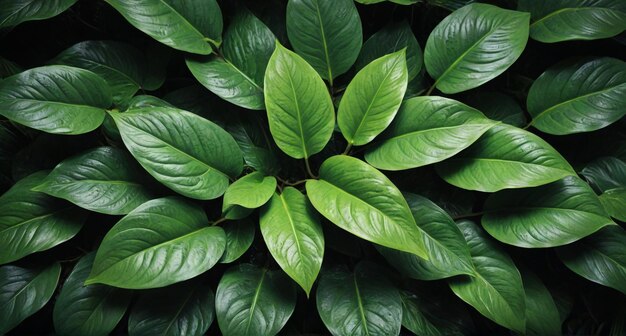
point(498, 106)
point(8, 68)
point(415, 319)
point(239, 238)
point(542, 315)
point(14, 12)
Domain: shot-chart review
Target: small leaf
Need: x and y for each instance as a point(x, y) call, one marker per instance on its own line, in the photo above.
point(542, 315)
point(239, 238)
point(249, 192)
point(14, 12)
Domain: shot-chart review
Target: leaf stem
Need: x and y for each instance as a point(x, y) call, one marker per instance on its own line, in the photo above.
point(308, 168)
point(348, 148)
point(219, 221)
point(430, 90)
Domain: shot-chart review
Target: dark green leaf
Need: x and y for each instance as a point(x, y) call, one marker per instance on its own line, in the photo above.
point(498, 106)
point(239, 238)
point(415, 320)
point(14, 12)
point(8, 68)
point(249, 192)
point(542, 315)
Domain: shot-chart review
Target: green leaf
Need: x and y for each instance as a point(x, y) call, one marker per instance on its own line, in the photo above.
point(55, 99)
point(372, 98)
point(448, 254)
point(294, 236)
point(104, 179)
point(606, 173)
point(251, 301)
point(498, 106)
point(238, 76)
point(552, 215)
point(391, 38)
point(600, 258)
point(299, 108)
point(31, 221)
point(182, 25)
point(8, 68)
point(542, 315)
point(88, 310)
point(496, 290)
point(327, 34)
point(239, 238)
point(24, 292)
point(249, 192)
point(14, 12)
point(473, 45)
point(362, 302)
point(417, 321)
point(563, 20)
point(182, 309)
point(613, 201)
point(361, 200)
point(495, 162)
point(259, 151)
point(578, 96)
point(172, 146)
point(427, 130)
point(163, 241)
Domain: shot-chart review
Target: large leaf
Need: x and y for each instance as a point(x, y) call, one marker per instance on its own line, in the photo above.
point(294, 236)
point(564, 20)
point(182, 25)
point(579, 96)
point(14, 12)
point(299, 108)
point(23, 291)
point(104, 179)
point(427, 130)
point(600, 258)
point(420, 321)
point(552, 215)
point(238, 76)
point(362, 302)
point(327, 34)
point(251, 301)
point(606, 173)
point(163, 241)
point(474, 45)
point(372, 98)
point(542, 315)
point(31, 221)
point(187, 153)
point(361, 200)
point(496, 289)
point(448, 254)
point(495, 162)
point(182, 309)
point(88, 310)
point(55, 99)
point(239, 238)
point(249, 192)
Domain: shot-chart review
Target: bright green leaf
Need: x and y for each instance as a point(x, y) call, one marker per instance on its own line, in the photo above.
point(249, 192)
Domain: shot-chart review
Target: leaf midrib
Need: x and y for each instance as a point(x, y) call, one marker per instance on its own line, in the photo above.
point(291, 225)
point(561, 10)
point(360, 304)
point(299, 115)
point(255, 299)
point(509, 161)
point(324, 43)
point(11, 227)
point(442, 128)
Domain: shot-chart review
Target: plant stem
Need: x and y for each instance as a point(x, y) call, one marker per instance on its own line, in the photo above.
point(308, 168)
point(219, 221)
point(430, 90)
point(348, 148)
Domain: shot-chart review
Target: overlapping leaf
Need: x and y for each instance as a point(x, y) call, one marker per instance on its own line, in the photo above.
point(249, 192)
point(239, 238)
point(542, 314)
point(14, 12)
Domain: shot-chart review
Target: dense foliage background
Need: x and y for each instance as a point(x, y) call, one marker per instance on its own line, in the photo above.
point(423, 164)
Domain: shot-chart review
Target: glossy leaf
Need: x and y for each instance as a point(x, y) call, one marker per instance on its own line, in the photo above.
point(495, 162)
point(606, 173)
point(8, 68)
point(294, 236)
point(24, 291)
point(88, 310)
point(258, 148)
point(327, 34)
point(542, 315)
point(372, 98)
point(473, 45)
point(361, 200)
point(415, 320)
point(496, 291)
point(239, 238)
point(563, 20)
point(498, 106)
point(31, 221)
point(55, 99)
point(183, 309)
point(250, 192)
point(163, 241)
point(579, 96)
point(427, 130)
point(299, 108)
point(600, 258)
point(253, 301)
point(14, 12)
point(182, 25)
point(187, 153)
point(362, 302)
point(613, 201)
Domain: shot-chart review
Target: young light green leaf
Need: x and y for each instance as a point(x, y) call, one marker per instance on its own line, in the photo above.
point(88, 310)
point(578, 96)
point(542, 315)
point(552, 215)
point(362, 302)
point(427, 130)
point(24, 292)
point(14, 12)
point(55, 99)
point(299, 108)
point(187, 153)
point(327, 34)
point(31, 221)
point(251, 301)
point(496, 290)
point(163, 241)
point(473, 45)
point(250, 192)
point(372, 98)
point(182, 25)
point(294, 236)
point(495, 162)
point(563, 20)
point(239, 238)
point(361, 200)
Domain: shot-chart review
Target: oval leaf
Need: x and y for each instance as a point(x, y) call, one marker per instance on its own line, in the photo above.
point(542, 315)
point(14, 12)
point(239, 238)
point(250, 192)
point(608, 175)
point(419, 322)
